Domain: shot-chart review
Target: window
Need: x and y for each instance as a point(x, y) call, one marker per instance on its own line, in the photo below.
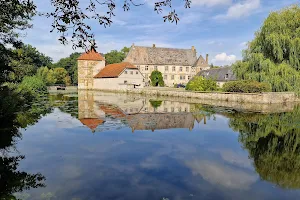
point(173, 68)
point(180, 69)
point(146, 68)
point(182, 77)
point(187, 69)
point(226, 76)
point(131, 72)
point(165, 109)
point(166, 68)
point(155, 67)
point(125, 82)
point(172, 109)
point(146, 76)
point(138, 67)
point(189, 77)
point(136, 72)
point(125, 72)
point(165, 77)
point(172, 77)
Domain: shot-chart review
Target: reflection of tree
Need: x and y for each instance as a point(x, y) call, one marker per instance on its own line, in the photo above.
point(65, 103)
point(16, 113)
point(273, 142)
point(155, 103)
point(13, 181)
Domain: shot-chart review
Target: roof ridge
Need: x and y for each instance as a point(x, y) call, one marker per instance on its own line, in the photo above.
point(163, 47)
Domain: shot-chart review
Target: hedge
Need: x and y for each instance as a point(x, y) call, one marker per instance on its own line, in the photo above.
point(247, 87)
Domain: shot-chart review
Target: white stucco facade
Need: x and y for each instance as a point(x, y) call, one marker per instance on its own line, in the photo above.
point(128, 79)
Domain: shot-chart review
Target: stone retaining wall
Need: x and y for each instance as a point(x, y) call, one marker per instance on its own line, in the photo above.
point(257, 98)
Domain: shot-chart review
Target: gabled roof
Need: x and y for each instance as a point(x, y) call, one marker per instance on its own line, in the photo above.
point(201, 62)
point(114, 70)
point(161, 56)
point(92, 123)
point(91, 55)
point(218, 74)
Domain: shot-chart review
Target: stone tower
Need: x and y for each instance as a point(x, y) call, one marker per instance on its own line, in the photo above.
point(89, 64)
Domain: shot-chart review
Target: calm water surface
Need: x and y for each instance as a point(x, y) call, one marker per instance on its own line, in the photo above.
point(109, 146)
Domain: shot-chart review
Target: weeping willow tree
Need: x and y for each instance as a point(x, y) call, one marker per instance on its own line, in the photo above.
point(274, 54)
point(273, 142)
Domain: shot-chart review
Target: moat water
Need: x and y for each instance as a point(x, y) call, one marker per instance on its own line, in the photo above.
point(95, 146)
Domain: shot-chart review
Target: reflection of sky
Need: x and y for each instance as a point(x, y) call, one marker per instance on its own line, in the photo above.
point(205, 163)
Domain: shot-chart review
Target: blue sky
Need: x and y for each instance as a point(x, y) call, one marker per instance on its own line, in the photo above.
point(220, 28)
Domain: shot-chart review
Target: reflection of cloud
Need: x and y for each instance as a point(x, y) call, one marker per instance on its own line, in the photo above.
point(222, 175)
point(71, 171)
point(235, 158)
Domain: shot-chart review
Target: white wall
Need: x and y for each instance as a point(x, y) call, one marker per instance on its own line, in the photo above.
point(123, 82)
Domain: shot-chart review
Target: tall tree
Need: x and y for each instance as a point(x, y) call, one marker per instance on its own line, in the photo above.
point(273, 55)
point(26, 60)
point(115, 56)
point(70, 64)
point(14, 16)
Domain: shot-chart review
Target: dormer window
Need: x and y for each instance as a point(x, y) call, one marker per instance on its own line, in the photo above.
point(125, 72)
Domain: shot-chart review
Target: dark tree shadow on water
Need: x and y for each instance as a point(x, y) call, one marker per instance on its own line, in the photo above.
point(13, 112)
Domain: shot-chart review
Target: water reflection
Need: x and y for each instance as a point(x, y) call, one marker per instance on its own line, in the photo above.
point(13, 116)
point(178, 150)
point(137, 113)
point(273, 142)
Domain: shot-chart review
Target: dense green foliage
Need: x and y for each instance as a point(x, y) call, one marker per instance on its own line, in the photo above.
point(157, 79)
point(33, 84)
point(15, 16)
point(26, 61)
point(246, 87)
point(199, 83)
point(70, 64)
point(115, 56)
point(273, 56)
point(273, 142)
point(54, 76)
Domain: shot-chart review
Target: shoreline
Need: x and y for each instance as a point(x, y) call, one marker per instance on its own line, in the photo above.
point(254, 98)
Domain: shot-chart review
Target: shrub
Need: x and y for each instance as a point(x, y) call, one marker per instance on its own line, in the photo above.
point(31, 87)
point(200, 83)
point(248, 86)
point(157, 79)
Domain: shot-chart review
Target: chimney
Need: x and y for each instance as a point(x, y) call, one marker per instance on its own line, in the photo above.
point(206, 59)
point(153, 46)
point(193, 48)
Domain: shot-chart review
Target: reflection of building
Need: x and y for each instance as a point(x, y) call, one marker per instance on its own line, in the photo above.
point(138, 113)
point(93, 74)
point(176, 65)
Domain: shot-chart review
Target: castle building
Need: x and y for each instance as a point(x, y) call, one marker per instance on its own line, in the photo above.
point(93, 74)
point(177, 66)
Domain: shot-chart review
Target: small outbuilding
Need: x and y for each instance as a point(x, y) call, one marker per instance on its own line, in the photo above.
point(221, 75)
point(119, 76)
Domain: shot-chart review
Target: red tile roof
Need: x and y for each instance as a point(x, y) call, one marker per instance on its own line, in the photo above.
point(91, 55)
point(114, 70)
point(113, 111)
point(91, 123)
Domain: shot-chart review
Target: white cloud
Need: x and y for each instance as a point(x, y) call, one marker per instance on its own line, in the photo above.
point(211, 3)
point(224, 59)
point(241, 9)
